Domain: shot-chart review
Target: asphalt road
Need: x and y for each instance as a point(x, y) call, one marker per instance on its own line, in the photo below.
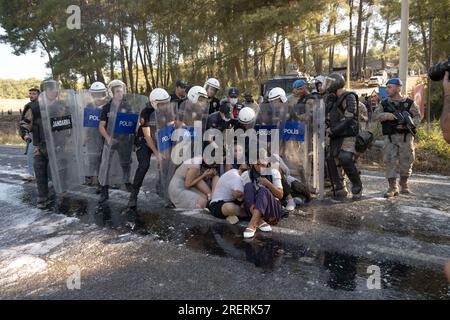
point(369, 249)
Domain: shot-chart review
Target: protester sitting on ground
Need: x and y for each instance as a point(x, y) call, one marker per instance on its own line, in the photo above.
point(192, 184)
point(261, 197)
point(227, 198)
point(295, 192)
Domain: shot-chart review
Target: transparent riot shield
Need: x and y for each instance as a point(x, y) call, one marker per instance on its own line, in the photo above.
point(118, 160)
point(318, 129)
point(165, 119)
point(58, 112)
point(267, 126)
point(191, 124)
point(90, 140)
point(302, 143)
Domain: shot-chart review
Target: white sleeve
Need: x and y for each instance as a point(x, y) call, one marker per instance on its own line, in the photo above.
point(276, 178)
point(237, 184)
point(246, 177)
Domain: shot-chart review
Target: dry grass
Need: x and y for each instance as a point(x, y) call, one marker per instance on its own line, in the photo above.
point(9, 133)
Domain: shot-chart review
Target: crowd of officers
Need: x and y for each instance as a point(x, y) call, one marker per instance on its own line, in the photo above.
point(346, 118)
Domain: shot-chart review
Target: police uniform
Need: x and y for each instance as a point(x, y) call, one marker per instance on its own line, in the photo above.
point(124, 145)
point(215, 121)
point(177, 99)
point(342, 117)
point(143, 151)
point(214, 105)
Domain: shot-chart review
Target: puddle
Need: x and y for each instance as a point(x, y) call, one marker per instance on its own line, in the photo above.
point(276, 254)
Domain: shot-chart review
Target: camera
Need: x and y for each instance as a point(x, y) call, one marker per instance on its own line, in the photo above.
point(437, 71)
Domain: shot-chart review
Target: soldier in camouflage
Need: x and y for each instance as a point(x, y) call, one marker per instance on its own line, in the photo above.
point(398, 136)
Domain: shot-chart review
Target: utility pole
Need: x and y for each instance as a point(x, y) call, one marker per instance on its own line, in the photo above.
point(403, 72)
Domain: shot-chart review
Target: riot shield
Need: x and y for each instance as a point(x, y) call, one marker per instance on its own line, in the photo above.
point(90, 140)
point(191, 124)
point(118, 160)
point(165, 119)
point(318, 129)
point(302, 136)
point(267, 124)
point(58, 112)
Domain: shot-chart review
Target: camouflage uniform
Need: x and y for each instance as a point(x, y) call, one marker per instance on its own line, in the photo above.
point(398, 147)
point(41, 161)
point(363, 116)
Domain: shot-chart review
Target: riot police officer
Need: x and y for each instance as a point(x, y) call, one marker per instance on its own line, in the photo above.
point(145, 143)
point(122, 144)
point(212, 86)
point(398, 116)
point(343, 127)
point(233, 100)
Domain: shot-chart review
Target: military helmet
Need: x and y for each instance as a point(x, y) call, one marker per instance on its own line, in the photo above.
point(337, 82)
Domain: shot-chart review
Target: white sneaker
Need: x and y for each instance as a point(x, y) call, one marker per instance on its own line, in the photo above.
point(290, 205)
point(265, 227)
point(249, 233)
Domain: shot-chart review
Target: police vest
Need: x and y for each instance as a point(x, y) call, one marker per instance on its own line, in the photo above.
point(337, 114)
point(390, 127)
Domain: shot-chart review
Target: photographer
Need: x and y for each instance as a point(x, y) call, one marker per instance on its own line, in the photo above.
point(445, 118)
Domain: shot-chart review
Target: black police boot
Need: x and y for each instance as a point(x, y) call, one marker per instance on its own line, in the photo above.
point(129, 187)
point(348, 164)
point(104, 194)
point(132, 202)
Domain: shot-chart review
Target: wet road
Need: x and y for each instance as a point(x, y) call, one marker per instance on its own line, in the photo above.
point(327, 250)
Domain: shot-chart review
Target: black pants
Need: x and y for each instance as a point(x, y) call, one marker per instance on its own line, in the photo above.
point(347, 161)
point(41, 172)
point(123, 149)
point(143, 155)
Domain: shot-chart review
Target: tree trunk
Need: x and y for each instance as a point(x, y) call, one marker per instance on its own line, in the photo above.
point(305, 55)
point(148, 54)
point(283, 56)
point(331, 53)
point(111, 59)
point(274, 56)
point(358, 52)
point(255, 60)
point(350, 3)
point(122, 57)
point(366, 38)
point(317, 56)
point(129, 57)
point(386, 38)
point(423, 32)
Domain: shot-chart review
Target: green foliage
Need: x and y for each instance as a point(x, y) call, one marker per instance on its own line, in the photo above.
point(433, 142)
point(239, 42)
point(17, 89)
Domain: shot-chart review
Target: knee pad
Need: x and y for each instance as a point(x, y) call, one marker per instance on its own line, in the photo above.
point(345, 157)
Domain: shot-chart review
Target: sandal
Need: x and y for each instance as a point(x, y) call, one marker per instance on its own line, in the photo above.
point(265, 227)
point(249, 233)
